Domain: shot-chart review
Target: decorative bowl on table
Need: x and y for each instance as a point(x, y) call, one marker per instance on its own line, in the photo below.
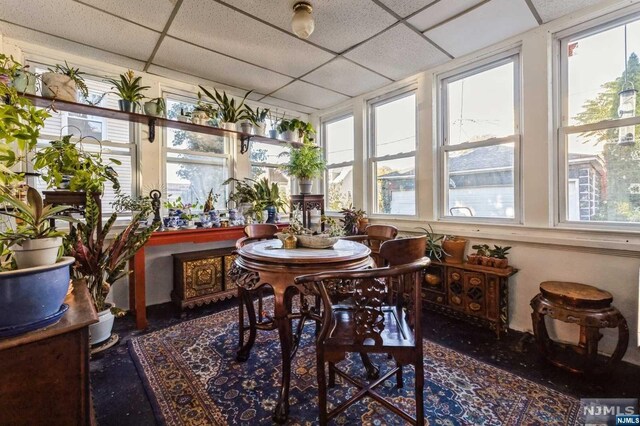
point(319, 241)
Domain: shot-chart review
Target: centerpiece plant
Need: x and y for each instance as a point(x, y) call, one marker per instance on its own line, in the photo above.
point(66, 165)
point(229, 112)
point(305, 163)
point(130, 89)
point(63, 82)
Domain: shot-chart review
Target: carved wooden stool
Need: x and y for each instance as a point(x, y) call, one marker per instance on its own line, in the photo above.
point(584, 305)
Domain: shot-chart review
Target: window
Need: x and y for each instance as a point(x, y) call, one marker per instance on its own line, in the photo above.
point(392, 161)
point(480, 140)
point(265, 161)
point(113, 138)
point(196, 163)
point(599, 125)
point(338, 142)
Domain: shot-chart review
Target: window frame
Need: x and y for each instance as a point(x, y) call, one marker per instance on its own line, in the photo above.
point(562, 130)
point(373, 158)
point(443, 148)
point(323, 138)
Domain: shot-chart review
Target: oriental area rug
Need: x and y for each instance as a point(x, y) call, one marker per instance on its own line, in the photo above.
point(191, 377)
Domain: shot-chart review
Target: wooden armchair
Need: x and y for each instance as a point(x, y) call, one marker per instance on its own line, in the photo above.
point(254, 232)
point(374, 237)
point(370, 324)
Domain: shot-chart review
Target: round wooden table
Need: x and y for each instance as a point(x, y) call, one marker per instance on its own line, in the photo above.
point(267, 263)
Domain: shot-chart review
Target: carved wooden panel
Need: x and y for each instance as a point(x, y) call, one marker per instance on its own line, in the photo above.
point(229, 284)
point(475, 294)
point(455, 283)
point(201, 277)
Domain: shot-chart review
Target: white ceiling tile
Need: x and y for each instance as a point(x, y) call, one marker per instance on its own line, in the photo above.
point(30, 36)
point(150, 13)
point(406, 8)
point(439, 12)
point(338, 24)
point(83, 24)
point(307, 94)
point(194, 60)
point(553, 9)
point(488, 24)
point(397, 53)
point(274, 102)
point(224, 30)
point(346, 77)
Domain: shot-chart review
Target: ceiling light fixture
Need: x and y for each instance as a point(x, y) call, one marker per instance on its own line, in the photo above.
point(302, 21)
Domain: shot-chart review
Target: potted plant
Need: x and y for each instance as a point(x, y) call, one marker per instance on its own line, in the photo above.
point(351, 219)
point(134, 205)
point(129, 89)
point(495, 257)
point(261, 194)
point(275, 120)
point(65, 165)
point(499, 256)
point(434, 249)
point(33, 282)
point(258, 118)
point(63, 82)
point(305, 163)
point(155, 107)
point(228, 111)
point(102, 261)
point(454, 248)
point(24, 80)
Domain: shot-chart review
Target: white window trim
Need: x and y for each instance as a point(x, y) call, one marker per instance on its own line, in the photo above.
point(372, 158)
point(512, 55)
point(323, 138)
point(561, 118)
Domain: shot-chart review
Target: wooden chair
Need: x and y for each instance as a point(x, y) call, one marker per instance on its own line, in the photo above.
point(369, 324)
point(374, 237)
point(254, 232)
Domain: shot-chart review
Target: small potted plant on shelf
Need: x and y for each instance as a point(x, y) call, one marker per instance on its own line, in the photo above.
point(63, 82)
point(203, 112)
point(129, 88)
point(454, 248)
point(305, 163)
point(102, 261)
point(275, 120)
point(25, 81)
point(296, 130)
point(155, 107)
point(228, 111)
point(65, 165)
point(258, 118)
point(33, 281)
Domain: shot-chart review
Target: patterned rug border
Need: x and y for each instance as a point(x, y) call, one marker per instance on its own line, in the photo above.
point(155, 404)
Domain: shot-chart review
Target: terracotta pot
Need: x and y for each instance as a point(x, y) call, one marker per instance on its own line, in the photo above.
point(362, 225)
point(455, 249)
point(500, 263)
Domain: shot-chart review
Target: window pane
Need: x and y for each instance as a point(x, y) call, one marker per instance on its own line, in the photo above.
point(481, 182)
point(268, 153)
point(469, 118)
point(395, 124)
point(395, 184)
point(193, 181)
point(603, 176)
point(339, 140)
point(339, 188)
point(180, 139)
point(596, 75)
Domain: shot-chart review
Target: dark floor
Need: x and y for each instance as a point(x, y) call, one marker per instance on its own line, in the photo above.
point(120, 399)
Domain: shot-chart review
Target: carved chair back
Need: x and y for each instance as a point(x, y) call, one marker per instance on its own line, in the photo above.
point(257, 232)
point(374, 237)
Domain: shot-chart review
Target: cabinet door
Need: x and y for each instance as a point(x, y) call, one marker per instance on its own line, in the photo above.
point(475, 292)
point(455, 288)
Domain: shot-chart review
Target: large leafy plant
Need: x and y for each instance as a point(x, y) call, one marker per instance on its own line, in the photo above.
point(261, 194)
point(228, 110)
point(305, 130)
point(20, 122)
point(129, 87)
point(305, 162)
point(74, 74)
point(101, 260)
point(32, 217)
point(87, 171)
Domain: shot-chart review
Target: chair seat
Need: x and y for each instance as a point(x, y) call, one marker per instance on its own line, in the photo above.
point(576, 295)
point(396, 333)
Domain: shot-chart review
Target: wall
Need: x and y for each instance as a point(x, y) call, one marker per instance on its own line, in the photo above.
point(541, 249)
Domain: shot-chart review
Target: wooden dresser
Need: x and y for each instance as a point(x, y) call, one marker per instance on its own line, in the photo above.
point(45, 373)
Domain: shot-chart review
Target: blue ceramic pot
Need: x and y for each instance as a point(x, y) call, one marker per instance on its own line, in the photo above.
point(271, 217)
point(27, 296)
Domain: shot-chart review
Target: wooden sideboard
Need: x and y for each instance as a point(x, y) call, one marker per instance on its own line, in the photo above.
point(473, 293)
point(45, 373)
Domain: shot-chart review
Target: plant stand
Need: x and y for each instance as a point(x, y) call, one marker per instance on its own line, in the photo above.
point(305, 203)
point(75, 199)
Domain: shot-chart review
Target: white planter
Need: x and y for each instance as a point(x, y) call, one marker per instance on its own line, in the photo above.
point(260, 129)
point(199, 117)
point(59, 86)
point(101, 331)
point(41, 252)
point(228, 126)
point(290, 136)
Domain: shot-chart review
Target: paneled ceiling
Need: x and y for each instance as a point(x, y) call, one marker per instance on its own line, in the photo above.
point(357, 45)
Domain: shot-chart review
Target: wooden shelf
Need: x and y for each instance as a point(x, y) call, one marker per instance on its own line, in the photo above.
point(152, 122)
